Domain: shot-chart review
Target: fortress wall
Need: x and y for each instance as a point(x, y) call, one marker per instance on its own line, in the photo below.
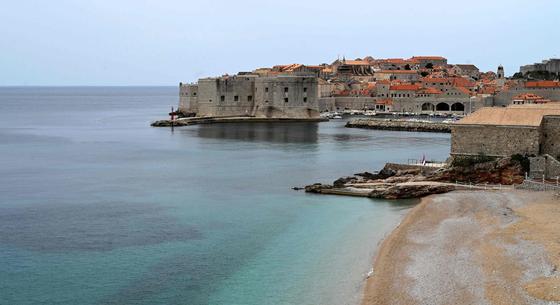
point(494, 140)
point(551, 135)
point(249, 95)
point(188, 98)
point(232, 96)
point(286, 97)
point(504, 98)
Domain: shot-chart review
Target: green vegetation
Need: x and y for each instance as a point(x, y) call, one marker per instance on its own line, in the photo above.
point(429, 66)
point(424, 73)
point(523, 160)
point(468, 161)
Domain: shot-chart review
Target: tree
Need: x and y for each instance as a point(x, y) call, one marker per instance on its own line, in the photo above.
point(424, 73)
point(407, 67)
point(429, 66)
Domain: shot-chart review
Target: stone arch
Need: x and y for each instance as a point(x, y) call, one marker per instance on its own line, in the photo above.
point(442, 107)
point(428, 107)
point(458, 107)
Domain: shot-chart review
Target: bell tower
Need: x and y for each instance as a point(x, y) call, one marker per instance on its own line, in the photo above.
point(501, 80)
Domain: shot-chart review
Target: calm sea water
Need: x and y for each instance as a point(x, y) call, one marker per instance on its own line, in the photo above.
point(96, 207)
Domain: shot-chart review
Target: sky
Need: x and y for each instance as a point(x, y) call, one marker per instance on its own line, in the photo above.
point(164, 42)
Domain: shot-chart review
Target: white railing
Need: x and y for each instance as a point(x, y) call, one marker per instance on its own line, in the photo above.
point(426, 163)
point(485, 186)
point(535, 185)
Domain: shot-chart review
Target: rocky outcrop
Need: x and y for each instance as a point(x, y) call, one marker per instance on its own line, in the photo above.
point(398, 181)
point(501, 171)
point(405, 191)
point(399, 125)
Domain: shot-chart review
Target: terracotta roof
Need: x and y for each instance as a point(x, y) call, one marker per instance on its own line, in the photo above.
point(515, 115)
point(384, 82)
point(527, 96)
point(462, 82)
point(463, 90)
point(404, 87)
point(543, 84)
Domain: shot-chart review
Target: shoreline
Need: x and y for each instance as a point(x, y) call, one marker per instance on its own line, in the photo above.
point(469, 247)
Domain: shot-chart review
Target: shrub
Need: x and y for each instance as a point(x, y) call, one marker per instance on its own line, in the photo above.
point(523, 161)
point(468, 161)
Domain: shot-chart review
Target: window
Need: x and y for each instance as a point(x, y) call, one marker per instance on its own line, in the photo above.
point(285, 89)
point(305, 100)
point(250, 98)
point(266, 102)
point(194, 93)
point(236, 98)
point(266, 89)
point(304, 89)
point(222, 98)
point(285, 100)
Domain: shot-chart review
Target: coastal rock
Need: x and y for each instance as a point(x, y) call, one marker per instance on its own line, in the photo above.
point(399, 125)
point(317, 188)
point(405, 191)
point(502, 171)
point(340, 182)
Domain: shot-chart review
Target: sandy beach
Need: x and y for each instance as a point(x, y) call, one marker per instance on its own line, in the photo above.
point(472, 248)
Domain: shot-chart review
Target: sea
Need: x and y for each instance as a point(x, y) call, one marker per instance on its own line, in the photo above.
point(97, 207)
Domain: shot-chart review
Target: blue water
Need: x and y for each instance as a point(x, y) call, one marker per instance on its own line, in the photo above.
point(96, 207)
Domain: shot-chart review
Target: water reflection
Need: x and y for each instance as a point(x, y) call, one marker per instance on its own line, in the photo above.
point(259, 132)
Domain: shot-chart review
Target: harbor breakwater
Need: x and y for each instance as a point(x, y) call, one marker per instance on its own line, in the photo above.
point(215, 120)
point(399, 125)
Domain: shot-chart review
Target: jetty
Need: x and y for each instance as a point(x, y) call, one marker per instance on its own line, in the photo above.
point(235, 119)
point(400, 125)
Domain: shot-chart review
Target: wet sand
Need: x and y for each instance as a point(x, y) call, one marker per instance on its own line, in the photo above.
point(472, 248)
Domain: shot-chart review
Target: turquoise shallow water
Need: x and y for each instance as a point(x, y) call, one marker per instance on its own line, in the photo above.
point(96, 207)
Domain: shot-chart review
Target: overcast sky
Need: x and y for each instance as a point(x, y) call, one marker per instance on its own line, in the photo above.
point(163, 42)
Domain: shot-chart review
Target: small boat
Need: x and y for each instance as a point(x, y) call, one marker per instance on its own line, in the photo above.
point(337, 117)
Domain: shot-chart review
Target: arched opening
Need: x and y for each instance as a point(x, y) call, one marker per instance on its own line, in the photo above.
point(428, 107)
point(458, 107)
point(442, 107)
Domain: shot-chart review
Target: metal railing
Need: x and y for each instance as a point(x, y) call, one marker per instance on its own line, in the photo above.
point(426, 163)
point(485, 186)
point(542, 186)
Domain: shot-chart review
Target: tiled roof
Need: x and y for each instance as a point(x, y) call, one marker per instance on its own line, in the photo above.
point(463, 90)
point(404, 87)
point(527, 96)
point(430, 90)
point(517, 115)
point(543, 84)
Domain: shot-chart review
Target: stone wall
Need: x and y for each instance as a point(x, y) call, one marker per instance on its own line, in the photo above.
point(545, 165)
point(250, 95)
point(188, 98)
point(346, 102)
point(551, 136)
point(494, 140)
point(286, 96)
point(504, 98)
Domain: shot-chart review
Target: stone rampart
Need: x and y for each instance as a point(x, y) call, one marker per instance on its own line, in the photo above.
point(501, 141)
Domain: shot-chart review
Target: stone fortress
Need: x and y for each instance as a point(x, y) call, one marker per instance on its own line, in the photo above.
point(418, 85)
point(249, 95)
